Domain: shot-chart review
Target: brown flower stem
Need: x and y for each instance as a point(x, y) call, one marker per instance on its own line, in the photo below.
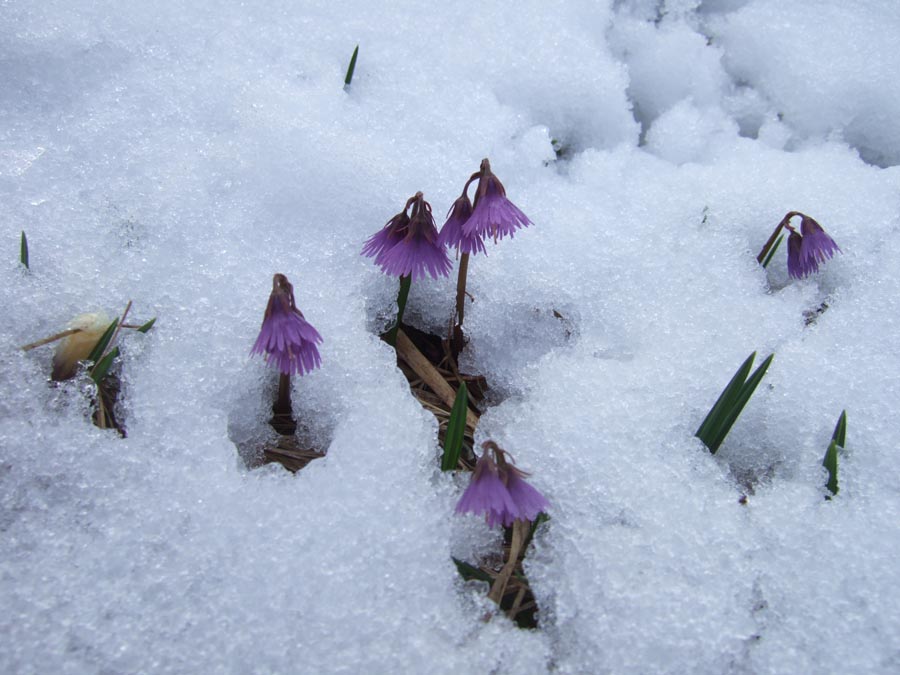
point(458, 339)
point(402, 296)
point(282, 418)
point(519, 532)
point(768, 245)
point(416, 360)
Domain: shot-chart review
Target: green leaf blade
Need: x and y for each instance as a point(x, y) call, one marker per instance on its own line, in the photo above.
point(840, 430)
point(717, 414)
point(831, 464)
point(99, 371)
point(351, 68)
point(147, 326)
point(738, 404)
point(103, 342)
point(23, 250)
point(456, 429)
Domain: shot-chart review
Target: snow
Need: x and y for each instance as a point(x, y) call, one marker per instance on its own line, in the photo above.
point(179, 155)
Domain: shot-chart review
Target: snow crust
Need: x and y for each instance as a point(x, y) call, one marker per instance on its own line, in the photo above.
point(180, 154)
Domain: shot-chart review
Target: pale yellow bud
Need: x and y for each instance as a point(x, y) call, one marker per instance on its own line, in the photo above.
point(78, 346)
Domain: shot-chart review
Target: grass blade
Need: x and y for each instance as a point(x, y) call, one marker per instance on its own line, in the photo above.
point(351, 67)
point(456, 428)
point(724, 403)
point(99, 371)
point(831, 463)
point(737, 406)
point(103, 342)
point(23, 250)
point(772, 251)
point(840, 430)
point(147, 326)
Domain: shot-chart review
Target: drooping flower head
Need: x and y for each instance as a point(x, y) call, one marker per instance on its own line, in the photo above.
point(408, 245)
point(493, 214)
point(383, 240)
point(452, 235)
point(808, 249)
point(498, 490)
point(288, 340)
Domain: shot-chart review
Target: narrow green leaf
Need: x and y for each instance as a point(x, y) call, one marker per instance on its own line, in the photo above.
point(351, 67)
point(470, 572)
point(99, 371)
point(719, 433)
point(831, 463)
point(840, 430)
point(402, 296)
point(147, 326)
point(103, 342)
point(23, 250)
point(772, 251)
point(456, 428)
point(724, 403)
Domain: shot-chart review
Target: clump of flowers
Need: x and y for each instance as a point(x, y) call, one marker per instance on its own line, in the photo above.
point(499, 491)
point(286, 338)
point(807, 249)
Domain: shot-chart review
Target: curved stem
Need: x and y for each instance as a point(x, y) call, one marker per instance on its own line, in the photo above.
point(771, 242)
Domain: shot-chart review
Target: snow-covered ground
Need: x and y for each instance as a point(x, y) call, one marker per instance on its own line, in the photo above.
point(178, 154)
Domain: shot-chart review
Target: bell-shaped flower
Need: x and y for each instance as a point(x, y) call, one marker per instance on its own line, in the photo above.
point(286, 338)
point(499, 490)
point(493, 215)
point(408, 246)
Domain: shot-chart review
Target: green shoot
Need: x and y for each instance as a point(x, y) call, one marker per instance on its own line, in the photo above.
point(351, 68)
point(23, 250)
point(103, 342)
point(838, 440)
point(456, 428)
point(831, 463)
point(99, 371)
point(147, 326)
point(840, 430)
point(730, 403)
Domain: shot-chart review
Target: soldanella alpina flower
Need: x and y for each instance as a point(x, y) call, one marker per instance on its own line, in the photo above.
point(815, 246)
point(493, 214)
point(408, 245)
point(286, 338)
point(499, 491)
point(806, 249)
point(452, 235)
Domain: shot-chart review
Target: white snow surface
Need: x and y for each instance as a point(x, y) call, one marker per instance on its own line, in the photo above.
point(179, 154)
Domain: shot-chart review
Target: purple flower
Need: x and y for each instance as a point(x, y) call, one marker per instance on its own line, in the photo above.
point(383, 240)
point(817, 246)
point(527, 499)
point(807, 252)
point(494, 215)
point(452, 235)
point(287, 339)
point(487, 494)
point(408, 246)
point(499, 491)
